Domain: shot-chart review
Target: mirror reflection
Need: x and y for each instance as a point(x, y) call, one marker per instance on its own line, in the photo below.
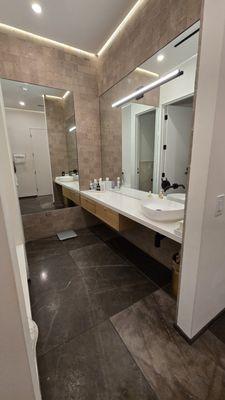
point(154, 129)
point(42, 135)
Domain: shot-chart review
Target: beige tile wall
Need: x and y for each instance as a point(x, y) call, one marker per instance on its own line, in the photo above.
point(46, 224)
point(154, 24)
point(31, 61)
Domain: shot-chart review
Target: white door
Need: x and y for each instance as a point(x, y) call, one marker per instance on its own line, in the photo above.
point(178, 134)
point(42, 161)
point(146, 125)
point(21, 144)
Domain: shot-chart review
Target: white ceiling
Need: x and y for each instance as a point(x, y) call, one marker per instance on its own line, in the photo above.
point(174, 56)
point(13, 93)
point(84, 24)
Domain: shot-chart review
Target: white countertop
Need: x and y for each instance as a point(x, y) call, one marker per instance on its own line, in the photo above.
point(74, 185)
point(128, 206)
point(131, 208)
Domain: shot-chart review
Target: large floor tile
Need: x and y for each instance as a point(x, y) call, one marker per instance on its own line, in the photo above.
point(43, 248)
point(117, 299)
point(50, 273)
point(64, 314)
point(85, 238)
point(97, 255)
point(157, 272)
point(101, 278)
point(175, 370)
point(95, 366)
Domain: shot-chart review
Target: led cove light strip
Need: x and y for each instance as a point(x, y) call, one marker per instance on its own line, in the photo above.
point(147, 88)
point(120, 27)
point(66, 94)
point(45, 40)
point(145, 71)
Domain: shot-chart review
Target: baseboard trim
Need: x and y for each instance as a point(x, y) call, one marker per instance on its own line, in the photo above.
point(195, 337)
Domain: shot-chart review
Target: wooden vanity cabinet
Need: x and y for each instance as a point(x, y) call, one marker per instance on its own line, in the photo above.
point(71, 195)
point(105, 214)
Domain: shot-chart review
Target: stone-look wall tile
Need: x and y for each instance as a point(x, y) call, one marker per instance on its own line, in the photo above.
point(46, 224)
point(144, 239)
point(31, 61)
point(155, 24)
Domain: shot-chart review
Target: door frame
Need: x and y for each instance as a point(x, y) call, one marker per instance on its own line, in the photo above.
point(156, 145)
point(164, 112)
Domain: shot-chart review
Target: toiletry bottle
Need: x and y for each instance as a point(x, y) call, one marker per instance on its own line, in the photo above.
point(161, 194)
point(91, 185)
point(98, 186)
point(118, 182)
point(108, 183)
point(95, 184)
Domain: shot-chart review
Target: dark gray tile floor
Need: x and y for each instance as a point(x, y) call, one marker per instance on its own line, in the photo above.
point(76, 286)
point(33, 204)
point(173, 368)
point(106, 329)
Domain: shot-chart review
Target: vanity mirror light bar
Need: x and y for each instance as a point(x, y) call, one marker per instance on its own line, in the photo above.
point(164, 79)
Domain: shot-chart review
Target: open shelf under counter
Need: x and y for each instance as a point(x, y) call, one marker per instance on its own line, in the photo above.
point(119, 211)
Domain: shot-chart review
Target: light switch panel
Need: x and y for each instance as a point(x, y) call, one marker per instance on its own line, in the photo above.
point(219, 205)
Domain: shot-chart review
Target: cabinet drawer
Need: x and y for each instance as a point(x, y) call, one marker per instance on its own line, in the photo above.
point(108, 216)
point(89, 205)
point(70, 194)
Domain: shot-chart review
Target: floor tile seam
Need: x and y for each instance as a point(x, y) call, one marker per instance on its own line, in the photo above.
point(132, 357)
point(93, 327)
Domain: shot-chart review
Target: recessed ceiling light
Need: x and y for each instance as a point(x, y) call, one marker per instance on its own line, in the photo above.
point(160, 57)
point(36, 8)
point(22, 103)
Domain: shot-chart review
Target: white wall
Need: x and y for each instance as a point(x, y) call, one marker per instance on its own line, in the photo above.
point(183, 86)
point(21, 124)
point(17, 365)
point(202, 286)
point(129, 162)
point(178, 140)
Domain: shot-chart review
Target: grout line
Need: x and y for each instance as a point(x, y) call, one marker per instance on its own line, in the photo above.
point(132, 357)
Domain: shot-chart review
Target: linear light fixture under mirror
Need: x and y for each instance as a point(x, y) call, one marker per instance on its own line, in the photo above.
point(145, 89)
point(42, 135)
point(146, 121)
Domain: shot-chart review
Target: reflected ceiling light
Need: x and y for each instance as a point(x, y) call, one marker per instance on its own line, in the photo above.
point(145, 71)
point(46, 41)
point(49, 96)
point(36, 8)
point(147, 88)
point(22, 103)
point(120, 27)
point(25, 89)
point(160, 57)
point(66, 94)
point(73, 128)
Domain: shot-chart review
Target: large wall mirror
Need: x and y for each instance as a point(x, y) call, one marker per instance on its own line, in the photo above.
point(42, 135)
point(147, 140)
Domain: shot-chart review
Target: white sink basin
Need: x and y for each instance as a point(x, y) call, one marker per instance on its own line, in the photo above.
point(66, 178)
point(178, 197)
point(162, 209)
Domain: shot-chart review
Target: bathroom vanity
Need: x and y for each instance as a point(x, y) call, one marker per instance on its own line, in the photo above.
point(117, 209)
